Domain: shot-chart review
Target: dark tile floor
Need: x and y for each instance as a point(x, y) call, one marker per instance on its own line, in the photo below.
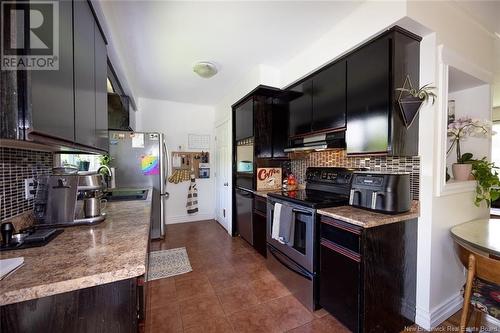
point(229, 290)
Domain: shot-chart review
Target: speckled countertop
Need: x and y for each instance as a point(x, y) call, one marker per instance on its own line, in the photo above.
point(83, 256)
point(366, 218)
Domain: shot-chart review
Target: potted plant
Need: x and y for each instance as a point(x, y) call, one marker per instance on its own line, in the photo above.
point(488, 182)
point(411, 99)
point(458, 130)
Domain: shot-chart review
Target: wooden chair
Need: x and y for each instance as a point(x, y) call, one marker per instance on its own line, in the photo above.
point(484, 268)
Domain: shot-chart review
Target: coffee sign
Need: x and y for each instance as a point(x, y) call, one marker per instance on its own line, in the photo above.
point(268, 179)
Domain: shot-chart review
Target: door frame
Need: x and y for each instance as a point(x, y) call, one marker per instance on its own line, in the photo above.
point(228, 168)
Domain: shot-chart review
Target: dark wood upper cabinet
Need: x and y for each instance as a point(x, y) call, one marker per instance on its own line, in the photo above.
point(244, 120)
point(101, 96)
point(300, 109)
point(328, 98)
point(263, 115)
point(374, 121)
point(50, 92)
point(368, 98)
point(84, 44)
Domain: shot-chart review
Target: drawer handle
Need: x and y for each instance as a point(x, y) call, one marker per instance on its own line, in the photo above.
point(335, 224)
point(340, 250)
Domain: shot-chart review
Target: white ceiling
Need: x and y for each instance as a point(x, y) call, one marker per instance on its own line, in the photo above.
point(160, 41)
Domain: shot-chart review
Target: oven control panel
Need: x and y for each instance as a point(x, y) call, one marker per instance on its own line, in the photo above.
point(329, 175)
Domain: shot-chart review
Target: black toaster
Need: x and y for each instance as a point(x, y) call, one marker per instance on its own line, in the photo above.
point(383, 192)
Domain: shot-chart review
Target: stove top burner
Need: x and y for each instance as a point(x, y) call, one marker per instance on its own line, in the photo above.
point(313, 198)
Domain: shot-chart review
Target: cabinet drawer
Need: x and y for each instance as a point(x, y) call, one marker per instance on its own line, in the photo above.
point(341, 233)
point(260, 205)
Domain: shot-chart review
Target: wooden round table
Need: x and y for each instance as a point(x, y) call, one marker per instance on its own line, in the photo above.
point(482, 235)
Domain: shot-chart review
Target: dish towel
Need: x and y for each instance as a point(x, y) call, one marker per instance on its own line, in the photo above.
point(192, 198)
point(275, 232)
point(287, 225)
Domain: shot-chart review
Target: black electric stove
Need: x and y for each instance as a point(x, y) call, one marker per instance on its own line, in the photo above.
point(325, 187)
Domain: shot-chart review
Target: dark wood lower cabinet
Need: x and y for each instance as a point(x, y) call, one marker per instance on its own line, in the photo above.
point(259, 225)
point(368, 276)
point(111, 307)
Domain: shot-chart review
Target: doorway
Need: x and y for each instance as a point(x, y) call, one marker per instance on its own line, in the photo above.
point(222, 175)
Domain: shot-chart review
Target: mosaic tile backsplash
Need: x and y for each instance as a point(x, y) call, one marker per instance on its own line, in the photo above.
point(372, 163)
point(15, 166)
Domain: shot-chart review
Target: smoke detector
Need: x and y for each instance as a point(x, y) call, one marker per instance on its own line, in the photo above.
point(205, 69)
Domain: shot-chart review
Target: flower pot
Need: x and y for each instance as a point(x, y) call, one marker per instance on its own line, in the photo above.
point(461, 172)
point(409, 106)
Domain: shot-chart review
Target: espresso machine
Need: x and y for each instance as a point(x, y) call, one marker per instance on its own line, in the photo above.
point(69, 197)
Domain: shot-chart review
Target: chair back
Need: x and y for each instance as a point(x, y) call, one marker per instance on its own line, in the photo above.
point(487, 269)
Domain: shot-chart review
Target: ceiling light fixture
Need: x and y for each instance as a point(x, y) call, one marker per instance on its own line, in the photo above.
point(205, 69)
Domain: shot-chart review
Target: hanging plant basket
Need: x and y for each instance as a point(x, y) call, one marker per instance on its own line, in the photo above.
point(410, 100)
point(409, 107)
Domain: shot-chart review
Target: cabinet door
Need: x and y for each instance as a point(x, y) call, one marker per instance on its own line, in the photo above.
point(259, 232)
point(52, 108)
point(368, 98)
point(301, 110)
point(244, 120)
point(280, 128)
point(262, 110)
point(85, 116)
point(340, 287)
point(101, 94)
point(329, 98)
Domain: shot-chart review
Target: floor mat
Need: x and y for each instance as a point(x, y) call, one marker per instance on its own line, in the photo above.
point(166, 263)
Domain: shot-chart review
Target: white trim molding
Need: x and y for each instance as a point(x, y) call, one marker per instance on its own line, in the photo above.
point(189, 218)
point(430, 320)
point(447, 58)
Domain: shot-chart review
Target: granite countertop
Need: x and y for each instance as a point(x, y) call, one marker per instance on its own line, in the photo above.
point(83, 256)
point(481, 234)
point(366, 218)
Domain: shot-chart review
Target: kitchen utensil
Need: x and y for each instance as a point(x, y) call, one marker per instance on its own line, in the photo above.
point(7, 229)
point(93, 206)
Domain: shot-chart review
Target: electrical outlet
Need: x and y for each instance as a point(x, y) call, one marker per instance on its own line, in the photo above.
point(29, 188)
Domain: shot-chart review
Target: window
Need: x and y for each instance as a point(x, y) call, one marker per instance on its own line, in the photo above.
point(495, 144)
point(77, 159)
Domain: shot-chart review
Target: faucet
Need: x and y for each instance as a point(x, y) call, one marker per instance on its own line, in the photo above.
point(106, 177)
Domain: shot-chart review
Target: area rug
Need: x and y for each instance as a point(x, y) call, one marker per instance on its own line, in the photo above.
point(168, 263)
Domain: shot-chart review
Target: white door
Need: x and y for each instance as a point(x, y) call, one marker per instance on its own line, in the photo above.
point(223, 167)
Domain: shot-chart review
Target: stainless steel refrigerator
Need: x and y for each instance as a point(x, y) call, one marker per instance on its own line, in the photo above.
point(141, 161)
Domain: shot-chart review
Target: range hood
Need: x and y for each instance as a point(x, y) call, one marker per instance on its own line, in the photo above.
point(330, 141)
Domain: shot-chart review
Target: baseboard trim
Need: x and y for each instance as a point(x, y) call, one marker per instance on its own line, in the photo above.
point(430, 319)
point(188, 218)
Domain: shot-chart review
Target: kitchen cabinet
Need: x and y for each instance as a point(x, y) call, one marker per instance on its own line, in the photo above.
point(300, 109)
point(244, 120)
point(329, 98)
point(101, 96)
point(374, 71)
point(85, 115)
point(368, 275)
point(51, 110)
point(111, 307)
point(64, 108)
point(259, 225)
point(322, 104)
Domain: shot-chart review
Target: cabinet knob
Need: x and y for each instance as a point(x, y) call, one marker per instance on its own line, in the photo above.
point(226, 184)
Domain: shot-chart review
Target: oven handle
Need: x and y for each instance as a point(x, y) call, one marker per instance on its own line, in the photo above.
point(305, 212)
point(299, 272)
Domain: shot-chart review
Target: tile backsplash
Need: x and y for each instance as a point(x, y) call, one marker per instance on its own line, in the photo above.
point(372, 163)
point(15, 166)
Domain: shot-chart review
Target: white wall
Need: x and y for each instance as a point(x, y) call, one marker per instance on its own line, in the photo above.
point(176, 121)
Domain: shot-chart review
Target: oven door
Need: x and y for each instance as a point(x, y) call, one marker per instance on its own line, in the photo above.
point(304, 223)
